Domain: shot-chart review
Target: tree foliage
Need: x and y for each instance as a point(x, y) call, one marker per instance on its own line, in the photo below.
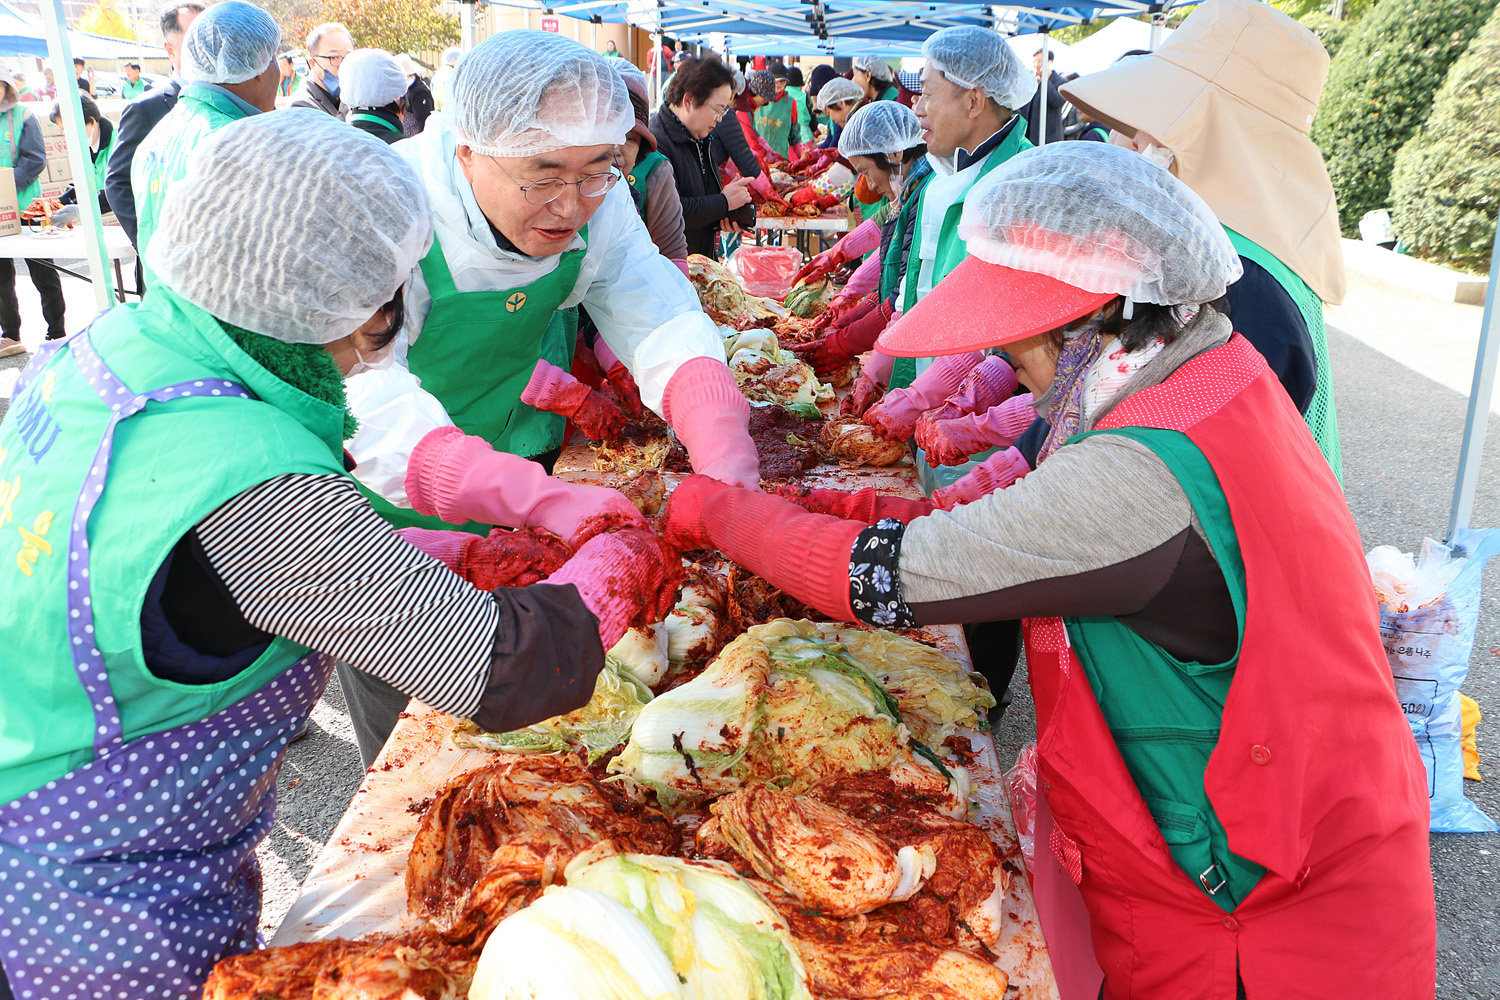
point(1380, 90)
point(104, 18)
point(1446, 186)
point(393, 25)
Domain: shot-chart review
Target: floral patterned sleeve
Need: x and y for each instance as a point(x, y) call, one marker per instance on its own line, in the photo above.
point(874, 576)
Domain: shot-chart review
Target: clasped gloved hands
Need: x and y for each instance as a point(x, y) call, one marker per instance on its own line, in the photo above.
point(625, 578)
point(951, 441)
point(896, 415)
point(554, 390)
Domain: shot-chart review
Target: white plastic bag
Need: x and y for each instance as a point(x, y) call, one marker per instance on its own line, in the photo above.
point(1429, 609)
point(1020, 781)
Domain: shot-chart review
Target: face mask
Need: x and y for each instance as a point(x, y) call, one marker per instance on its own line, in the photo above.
point(376, 362)
point(331, 83)
point(1161, 157)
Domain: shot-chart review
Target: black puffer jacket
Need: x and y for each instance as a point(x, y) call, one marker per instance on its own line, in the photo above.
point(695, 162)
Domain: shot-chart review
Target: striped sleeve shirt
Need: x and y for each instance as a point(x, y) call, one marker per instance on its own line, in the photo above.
point(307, 558)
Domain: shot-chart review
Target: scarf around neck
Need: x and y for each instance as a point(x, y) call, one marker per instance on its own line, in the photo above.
point(1091, 370)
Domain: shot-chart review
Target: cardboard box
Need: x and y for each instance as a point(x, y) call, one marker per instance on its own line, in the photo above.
point(56, 176)
point(10, 214)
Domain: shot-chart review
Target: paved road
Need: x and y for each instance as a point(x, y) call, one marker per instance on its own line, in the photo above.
point(1400, 433)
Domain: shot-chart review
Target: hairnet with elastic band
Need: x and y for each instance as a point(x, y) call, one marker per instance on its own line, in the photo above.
point(878, 68)
point(883, 127)
point(975, 57)
point(1103, 219)
point(371, 78)
point(292, 225)
point(837, 91)
point(521, 92)
point(230, 42)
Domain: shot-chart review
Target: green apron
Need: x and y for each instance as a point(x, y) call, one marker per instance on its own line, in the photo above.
point(161, 160)
point(10, 149)
point(172, 465)
point(374, 118)
point(867, 212)
point(893, 264)
point(889, 94)
point(477, 352)
point(774, 123)
point(1165, 713)
point(802, 127)
point(101, 162)
point(1321, 417)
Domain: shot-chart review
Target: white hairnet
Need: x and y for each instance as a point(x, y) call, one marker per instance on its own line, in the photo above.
point(292, 225)
point(520, 93)
point(371, 78)
point(838, 90)
point(230, 42)
point(1103, 219)
point(972, 57)
point(877, 68)
point(635, 80)
point(451, 54)
point(881, 127)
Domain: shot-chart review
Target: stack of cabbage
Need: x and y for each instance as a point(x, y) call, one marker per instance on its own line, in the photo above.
point(792, 704)
point(643, 927)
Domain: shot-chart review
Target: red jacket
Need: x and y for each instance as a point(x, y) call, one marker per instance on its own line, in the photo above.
point(1315, 775)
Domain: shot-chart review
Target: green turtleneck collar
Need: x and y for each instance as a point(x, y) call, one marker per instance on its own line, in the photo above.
point(307, 367)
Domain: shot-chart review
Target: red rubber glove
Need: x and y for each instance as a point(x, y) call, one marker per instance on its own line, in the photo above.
point(994, 473)
point(459, 477)
point(761, 185)
point(625, 578)
point(863, 505)
point(804, 196)
point(502, 559)
point(952, 441)
point(895, 416)
point(555, 391)
point(806, 555)
point(620, 379)
point(865, 394)
point(829, 260)
point(711, 417)
point(989, 383)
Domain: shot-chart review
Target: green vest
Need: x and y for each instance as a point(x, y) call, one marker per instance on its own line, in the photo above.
point(867, 212)
point(101, 162)
point(1164, 713)
point(162, 157)
point(1321, 417)
point(172, 464)
point(893, 264)
point(130, 91)
point(774, 123)
point(951, 249)
point(637, 178)
point(11, 125)
point(802, 129)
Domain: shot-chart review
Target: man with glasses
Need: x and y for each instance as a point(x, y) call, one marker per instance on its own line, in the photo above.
point(327, 45)
point(530, 220)
point(229, 62)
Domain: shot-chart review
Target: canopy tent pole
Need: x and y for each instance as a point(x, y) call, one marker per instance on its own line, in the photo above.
point(1158, 22)
point(61, 54)
point(1041, 91)
point(659, 52)
point(1480, 394)
point(465, 24)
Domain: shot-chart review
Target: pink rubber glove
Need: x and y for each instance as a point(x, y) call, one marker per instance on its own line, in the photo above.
point(862, 505)
point(880, 366)
point(555, 391)
point(806, 555)
point(989, 383)
point(855, 244)
point(994, 473)
point(865, 393)
point(682, 266)
point(952, 441)
point(501, 559)
point(895, 416)
point(459, 477)
point(625, 578)
point(865, 279)
point(706, 410)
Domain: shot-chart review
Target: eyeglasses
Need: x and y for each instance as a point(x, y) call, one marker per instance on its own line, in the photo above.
point(334, 60)
point(720, 110)
point(549, 189)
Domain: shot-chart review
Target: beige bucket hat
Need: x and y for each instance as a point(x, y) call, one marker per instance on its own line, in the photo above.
point(1232, 95)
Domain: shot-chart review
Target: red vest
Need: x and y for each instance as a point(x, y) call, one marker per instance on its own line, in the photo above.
point(1315, 775)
